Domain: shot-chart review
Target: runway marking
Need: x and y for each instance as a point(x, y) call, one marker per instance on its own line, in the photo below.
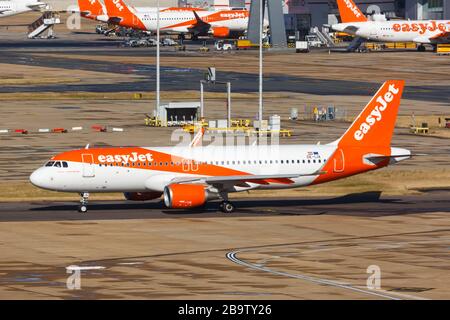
point(81, 268)
point(232, 256)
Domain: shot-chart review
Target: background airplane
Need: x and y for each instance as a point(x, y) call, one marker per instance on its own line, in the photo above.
point(13, 7)
point(220, 24)
point(94, 9)
point(192, 175)
point(419, 31)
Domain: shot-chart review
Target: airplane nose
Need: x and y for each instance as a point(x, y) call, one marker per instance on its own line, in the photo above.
point(40, 179)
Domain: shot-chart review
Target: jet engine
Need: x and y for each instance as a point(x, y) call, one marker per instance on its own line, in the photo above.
point(220, 32)
point(187, 195)
point(142, 196)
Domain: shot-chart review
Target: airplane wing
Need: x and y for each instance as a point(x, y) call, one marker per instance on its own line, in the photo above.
point(4, 10)
point(200, 26)
point(443, 37)
point(36, 6)
point(114, 20)
point(351, 29)
point(243, 179)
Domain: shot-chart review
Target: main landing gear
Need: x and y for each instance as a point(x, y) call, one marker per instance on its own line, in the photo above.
point(227, 207)
point(83, 202)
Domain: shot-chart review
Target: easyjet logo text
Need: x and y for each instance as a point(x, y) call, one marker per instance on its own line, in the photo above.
point(419, 27)
point(118, 5)
point(376, 115)
point(353, 8)
point(133, 157)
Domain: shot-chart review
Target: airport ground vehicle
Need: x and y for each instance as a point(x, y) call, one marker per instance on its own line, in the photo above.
point(168, 42)
point(301, 46)
point(189, 176)
point(313, 41)
point(225, 45)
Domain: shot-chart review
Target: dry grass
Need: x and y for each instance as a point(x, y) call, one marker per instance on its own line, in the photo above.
point(167, 95)
point(389, 181)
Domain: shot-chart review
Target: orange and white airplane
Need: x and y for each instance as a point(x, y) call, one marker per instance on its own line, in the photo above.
point(220, 24)
point(419, 31)
point(95, 10)
point(189, 176)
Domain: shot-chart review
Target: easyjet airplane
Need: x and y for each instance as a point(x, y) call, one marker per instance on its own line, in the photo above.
point(95, 10)
point(13, 7)
point(192, 175)
point(419, 31)
point(221, 24)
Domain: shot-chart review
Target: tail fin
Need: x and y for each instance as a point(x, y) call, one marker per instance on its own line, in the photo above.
point(121, 14)
point(375, 124)
point(90, 8)
point(350, 12)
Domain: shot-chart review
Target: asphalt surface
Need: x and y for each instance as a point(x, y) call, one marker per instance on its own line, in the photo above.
point(369, 204)
point(22, 52)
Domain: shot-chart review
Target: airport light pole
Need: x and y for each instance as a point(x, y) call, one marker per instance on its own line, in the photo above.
point(157, 57)
point(260, 114)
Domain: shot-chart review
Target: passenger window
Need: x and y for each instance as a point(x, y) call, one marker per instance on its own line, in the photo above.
point(281, 161)
point(50, 164)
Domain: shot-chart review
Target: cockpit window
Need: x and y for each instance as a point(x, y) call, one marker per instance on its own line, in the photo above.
point(57, 164)
point(65, 165)
point(50, 164)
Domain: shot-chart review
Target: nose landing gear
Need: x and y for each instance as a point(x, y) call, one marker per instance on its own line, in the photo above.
point(83, 202)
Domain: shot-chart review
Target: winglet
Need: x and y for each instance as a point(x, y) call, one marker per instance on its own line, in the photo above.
point(349, 12)
point(198, 138)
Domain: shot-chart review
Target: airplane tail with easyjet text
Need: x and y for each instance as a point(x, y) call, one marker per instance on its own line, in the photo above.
point(366, 145)
point(374, 126)
point(349, 12)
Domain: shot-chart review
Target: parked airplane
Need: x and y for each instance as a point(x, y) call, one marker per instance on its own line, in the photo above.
point(221, 24)
point(13, 7)
point(192, 175)
point(95, 10)
point(419, 31)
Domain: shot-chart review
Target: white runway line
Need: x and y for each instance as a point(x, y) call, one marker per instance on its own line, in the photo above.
point(81, 268)
point(379, 293)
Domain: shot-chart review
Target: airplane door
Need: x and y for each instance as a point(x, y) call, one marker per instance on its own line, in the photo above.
point(339, 161)
point(88, 165)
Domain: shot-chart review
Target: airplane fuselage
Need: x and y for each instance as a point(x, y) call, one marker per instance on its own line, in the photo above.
point(10, 8)
point(419, 31)
point(139, 169)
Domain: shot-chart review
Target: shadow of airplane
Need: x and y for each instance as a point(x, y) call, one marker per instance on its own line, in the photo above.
point(355, 204)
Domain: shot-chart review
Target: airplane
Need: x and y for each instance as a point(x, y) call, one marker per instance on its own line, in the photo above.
point(13, 7)
point(95, 10)
point(220, 24)
point(189, 176)
point(419, 31)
